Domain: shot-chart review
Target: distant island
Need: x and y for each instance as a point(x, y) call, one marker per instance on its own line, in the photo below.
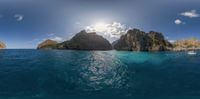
point(186, 44)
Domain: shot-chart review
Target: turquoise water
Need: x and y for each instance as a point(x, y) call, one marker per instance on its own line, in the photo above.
point(67, 74)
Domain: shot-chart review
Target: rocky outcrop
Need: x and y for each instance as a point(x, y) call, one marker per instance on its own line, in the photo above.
point(136, 40)
point(133, 40)
point(86, 41)
point(48, 44)
point(2, 45)
point(81, 41)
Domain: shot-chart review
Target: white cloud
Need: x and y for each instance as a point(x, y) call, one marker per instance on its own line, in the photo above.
point(19, 17)
point(56, 38)
point(53, 36)
point(178, 21)
point(191, 14)
point(110, 31)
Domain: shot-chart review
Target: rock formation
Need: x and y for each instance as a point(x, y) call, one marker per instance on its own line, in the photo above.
point(81, 41)
point(2, 45)
point(86, 41)
point(48, 44)
point(133, 40)
point(136, 40)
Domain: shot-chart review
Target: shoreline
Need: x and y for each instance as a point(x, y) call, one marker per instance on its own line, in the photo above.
point(185, 49)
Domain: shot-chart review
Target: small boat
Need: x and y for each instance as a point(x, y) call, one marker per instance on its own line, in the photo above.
point(192, 53)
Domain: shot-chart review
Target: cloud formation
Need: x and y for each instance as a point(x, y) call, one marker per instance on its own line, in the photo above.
point(190, 14)
point(178, 22)
point(19, 17)
point(53, 36)
point(56, 38)
point(110, 31)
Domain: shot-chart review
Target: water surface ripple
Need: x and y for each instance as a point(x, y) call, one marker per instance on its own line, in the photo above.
point(58, 74)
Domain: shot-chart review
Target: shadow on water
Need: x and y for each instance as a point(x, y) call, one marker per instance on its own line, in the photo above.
point(51, 74)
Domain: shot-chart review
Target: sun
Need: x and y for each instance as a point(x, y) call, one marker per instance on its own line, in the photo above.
point(100, 27)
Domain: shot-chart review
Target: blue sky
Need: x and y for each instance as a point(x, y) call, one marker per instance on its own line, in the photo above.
point(25, 23)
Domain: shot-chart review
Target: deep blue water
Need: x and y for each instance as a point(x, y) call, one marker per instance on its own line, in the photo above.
point(67, 74)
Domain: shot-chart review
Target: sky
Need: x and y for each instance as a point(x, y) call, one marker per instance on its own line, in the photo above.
point(26, 23)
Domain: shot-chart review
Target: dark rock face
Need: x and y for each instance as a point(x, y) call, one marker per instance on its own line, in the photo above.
point(133, 40)
point(48, 44)
point(136, 40)
point(86, 41)
point(2, 45)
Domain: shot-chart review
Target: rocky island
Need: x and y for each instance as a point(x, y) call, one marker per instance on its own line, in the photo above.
point(2, 45)
point(81, 41)
point(136, 40)
point(133, 40)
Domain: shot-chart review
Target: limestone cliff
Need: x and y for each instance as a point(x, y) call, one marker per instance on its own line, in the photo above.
point(86, 41)
point(136, 40)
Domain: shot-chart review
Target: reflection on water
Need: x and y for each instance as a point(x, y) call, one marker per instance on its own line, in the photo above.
point(97, 74)
point(102, 71)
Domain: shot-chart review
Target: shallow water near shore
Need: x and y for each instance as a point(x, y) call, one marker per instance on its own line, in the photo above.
point(59, 74)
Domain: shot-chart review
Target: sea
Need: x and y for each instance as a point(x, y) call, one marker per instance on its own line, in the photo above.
point(70, 74)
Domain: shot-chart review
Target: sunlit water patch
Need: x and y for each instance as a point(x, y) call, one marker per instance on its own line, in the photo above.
point(58, 74)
